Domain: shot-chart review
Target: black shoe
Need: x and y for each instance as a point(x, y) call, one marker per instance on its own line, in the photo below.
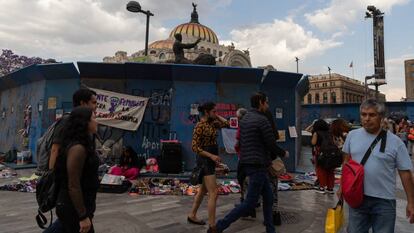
point(277, 221)
point(212, 230)
point(200, 222)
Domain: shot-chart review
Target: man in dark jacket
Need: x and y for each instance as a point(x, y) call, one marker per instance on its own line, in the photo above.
point(257, 150)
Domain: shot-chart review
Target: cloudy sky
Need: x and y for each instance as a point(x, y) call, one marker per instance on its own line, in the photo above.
point(321, 33)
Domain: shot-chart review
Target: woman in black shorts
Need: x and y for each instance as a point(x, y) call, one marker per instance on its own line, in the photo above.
point(204, 144)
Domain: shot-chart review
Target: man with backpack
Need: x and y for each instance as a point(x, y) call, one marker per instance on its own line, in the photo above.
point(375, 206)
point(49, 144)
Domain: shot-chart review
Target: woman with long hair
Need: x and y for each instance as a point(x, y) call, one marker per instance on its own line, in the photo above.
point(204, 144)
point(77, 172)
point(326, 177)
point(339, 130)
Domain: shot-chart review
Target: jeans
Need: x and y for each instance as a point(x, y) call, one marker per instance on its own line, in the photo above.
point(259, 184)
point(56, 227)
point(374, 212)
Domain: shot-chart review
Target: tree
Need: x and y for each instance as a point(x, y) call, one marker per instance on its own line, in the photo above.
point(10, 62)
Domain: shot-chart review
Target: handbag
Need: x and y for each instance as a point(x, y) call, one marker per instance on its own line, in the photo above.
point(195, 175)
point(277, 168)
point(352, 182)
point(334, 218)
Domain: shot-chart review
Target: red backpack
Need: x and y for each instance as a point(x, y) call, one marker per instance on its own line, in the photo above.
point(352, 181)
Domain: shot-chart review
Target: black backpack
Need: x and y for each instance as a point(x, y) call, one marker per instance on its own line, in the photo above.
point(46, 196)
point(47, 187)
point(330, 156)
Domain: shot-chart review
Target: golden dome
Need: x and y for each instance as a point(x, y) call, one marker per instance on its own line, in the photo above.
point(162, 44)
point(196, 30)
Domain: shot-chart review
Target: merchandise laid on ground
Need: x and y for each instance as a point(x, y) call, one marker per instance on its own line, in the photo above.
point(156, 184)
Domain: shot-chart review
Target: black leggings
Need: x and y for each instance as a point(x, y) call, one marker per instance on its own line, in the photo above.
point(69, 218)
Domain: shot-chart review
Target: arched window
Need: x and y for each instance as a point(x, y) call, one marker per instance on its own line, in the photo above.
point(317, 98)
point(333, 98)
point(162, 56)
point(153, 52)
point(325, 98)
point(309, 98)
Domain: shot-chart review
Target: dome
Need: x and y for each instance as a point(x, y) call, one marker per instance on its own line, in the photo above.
point(196, 30)
point(162, 44)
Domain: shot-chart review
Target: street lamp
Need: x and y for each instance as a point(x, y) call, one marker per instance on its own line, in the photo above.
point(135, 7)
point(297, 64)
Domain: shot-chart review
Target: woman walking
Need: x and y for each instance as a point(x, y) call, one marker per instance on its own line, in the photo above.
point(326, 177)
point(77, 172)
point(204, 144)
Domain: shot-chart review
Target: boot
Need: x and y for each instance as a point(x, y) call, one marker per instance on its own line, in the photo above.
point(277, 221)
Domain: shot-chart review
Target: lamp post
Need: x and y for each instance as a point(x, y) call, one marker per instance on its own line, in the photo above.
point(297, 64)
point(135, 7)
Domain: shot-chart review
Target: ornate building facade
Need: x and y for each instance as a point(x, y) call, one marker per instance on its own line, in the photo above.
point(409, 79)
point(337, 89)
point(161, 51)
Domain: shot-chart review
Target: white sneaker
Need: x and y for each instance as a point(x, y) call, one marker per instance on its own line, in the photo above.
point(321, 190)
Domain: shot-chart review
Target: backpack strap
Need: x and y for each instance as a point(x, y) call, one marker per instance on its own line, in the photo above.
point(42, 221)
point(381, 136)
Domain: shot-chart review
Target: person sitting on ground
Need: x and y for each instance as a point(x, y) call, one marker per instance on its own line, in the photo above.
point(129, 165)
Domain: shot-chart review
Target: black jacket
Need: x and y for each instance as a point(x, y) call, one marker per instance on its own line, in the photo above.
point(257, 141)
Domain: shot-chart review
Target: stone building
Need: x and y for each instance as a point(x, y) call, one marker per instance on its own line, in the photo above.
point(161, 51)
point(337, 89)
point(409, 79)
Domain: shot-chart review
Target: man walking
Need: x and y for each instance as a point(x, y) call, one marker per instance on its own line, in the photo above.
point(378, 210)
point(257, 150)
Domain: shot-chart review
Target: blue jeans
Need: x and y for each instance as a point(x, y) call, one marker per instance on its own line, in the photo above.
point(56, 227)
point(374, 212)
point(259, 184)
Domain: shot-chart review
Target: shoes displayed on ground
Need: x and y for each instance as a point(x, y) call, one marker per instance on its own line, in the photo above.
point(277, 221)
point(196, 222)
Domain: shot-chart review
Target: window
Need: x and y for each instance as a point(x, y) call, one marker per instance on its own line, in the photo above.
point(333, 98)
point(208, 50)
point(309, 98)
point(325, 98)
point(324, 84)
point(215, 52)
point(153, 52)
point(220, 53)
point(162, 56)
point(317, 98)
point(332, 84)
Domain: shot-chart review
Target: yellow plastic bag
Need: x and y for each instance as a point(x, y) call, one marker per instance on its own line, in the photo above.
point(334, 218)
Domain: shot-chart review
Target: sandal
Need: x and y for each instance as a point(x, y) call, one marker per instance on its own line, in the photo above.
point(196, 222)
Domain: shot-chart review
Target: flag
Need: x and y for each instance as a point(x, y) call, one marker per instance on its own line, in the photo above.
point(351, 65)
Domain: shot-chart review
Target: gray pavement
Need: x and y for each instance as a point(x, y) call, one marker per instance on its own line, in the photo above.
point(302, 211)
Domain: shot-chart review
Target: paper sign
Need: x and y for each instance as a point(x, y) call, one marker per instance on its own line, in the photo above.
point(279, 113)
point(282, 136)
point(234, 122)
point(292, 132)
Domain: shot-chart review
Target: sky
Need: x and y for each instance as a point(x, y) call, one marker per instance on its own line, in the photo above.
point(320, 33)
